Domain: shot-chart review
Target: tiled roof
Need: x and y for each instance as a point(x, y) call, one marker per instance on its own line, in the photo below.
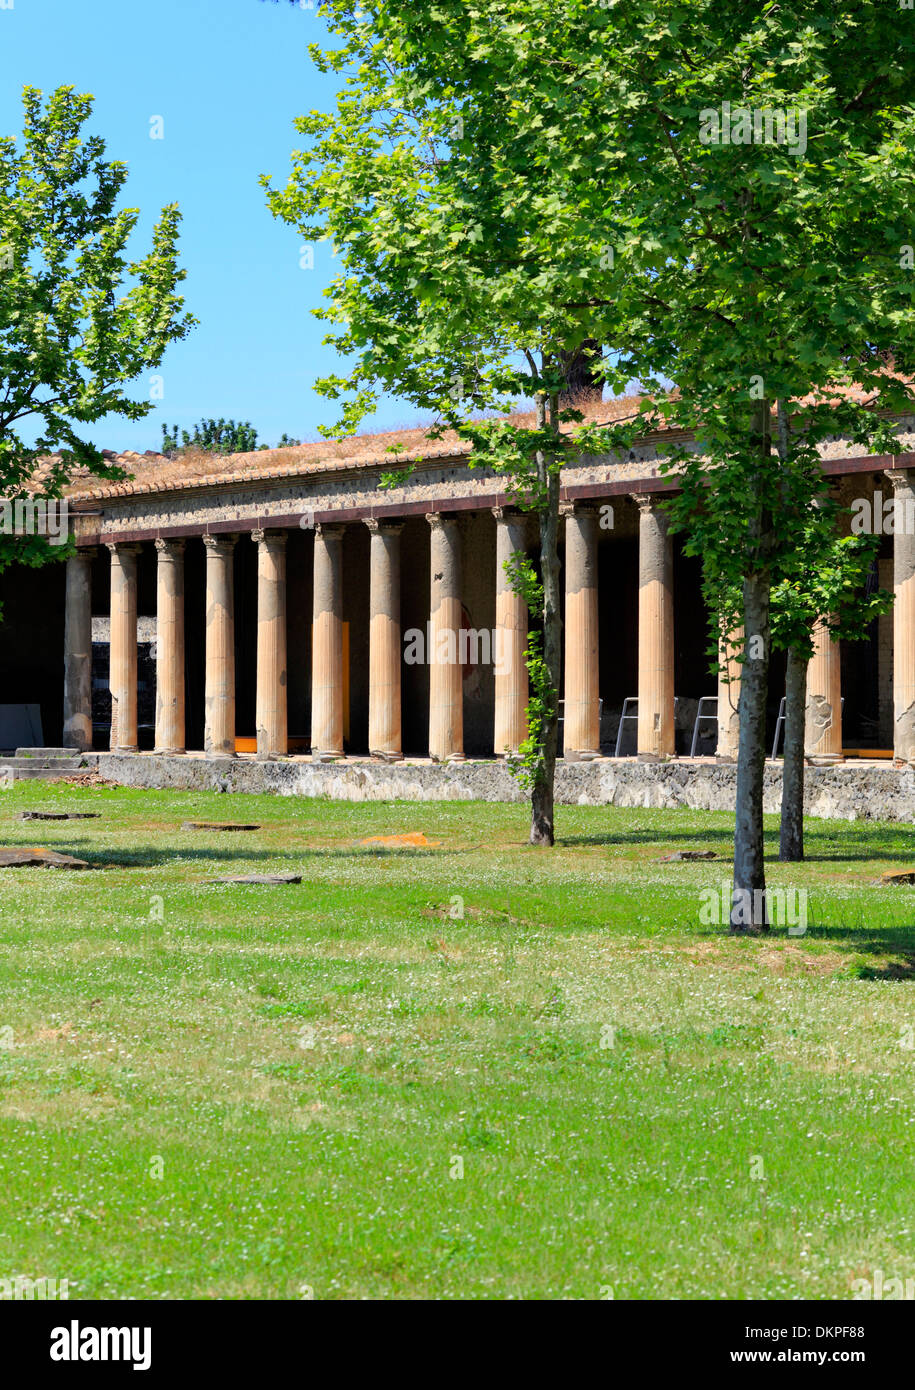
point(154, 473)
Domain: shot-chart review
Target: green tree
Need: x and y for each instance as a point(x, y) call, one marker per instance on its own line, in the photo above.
point(72, 339)
point(212, 437)
point(826, 580)
point(464, 288)
point(779, 285)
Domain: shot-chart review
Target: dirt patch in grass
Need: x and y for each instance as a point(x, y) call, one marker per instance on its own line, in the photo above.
point(786, 960)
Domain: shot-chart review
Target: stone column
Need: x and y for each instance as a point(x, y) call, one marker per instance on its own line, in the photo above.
point(903, 481)
point(327, 644)
point(729, 696)
point(170, 647)
point(510, 639)
point(886, 722)
point(78, 651)
point(581, 696)
point(122, 678)
point(271, 712)
point(656, 738)
point(219, 693)
point(823, 721)
point(384, 642)
point(446, 676)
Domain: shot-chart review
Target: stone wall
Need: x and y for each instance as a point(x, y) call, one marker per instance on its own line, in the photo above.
point(843, 792)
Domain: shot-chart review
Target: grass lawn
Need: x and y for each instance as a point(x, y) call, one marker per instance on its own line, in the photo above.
point(224, 1091)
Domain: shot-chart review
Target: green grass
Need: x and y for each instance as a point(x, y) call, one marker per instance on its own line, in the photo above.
point(240, 1092)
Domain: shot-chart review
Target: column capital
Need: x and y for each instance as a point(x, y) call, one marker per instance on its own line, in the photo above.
point(571, 507)
point(508, 512)
point(900, 477)
point(438, 520)
point(330, 530)
point(85, 552)
point(124, 547)
point(645, 501)
point(168, 547)
point(268, 538)
point(224, 540)
point(380, 526)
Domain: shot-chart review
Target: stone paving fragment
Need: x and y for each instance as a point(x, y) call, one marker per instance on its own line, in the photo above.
point(18, 857)
point(683, 854)
point(260, 878)
point(216, 825)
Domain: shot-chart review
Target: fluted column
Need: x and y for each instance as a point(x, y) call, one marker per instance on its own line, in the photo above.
point(170, 646)
point(219, 691)
point(327, 644)
point(823, 721)
point(122, 679)
point(581, 695)
point(271, 710)
point(384, 641)
point(78, 651)
point(511, 639)
point(903, 481)
point(656, 736)
point(446, 677)
point(729, 672)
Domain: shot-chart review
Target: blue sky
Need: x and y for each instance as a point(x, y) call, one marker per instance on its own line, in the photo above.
point(227, 77)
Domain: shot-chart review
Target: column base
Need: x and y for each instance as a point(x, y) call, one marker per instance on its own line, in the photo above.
point(170, 752)
point(77, 740)
point(321, 755)
point(655, 757)
point(126, 748)
point(384, 756)
point(581, 755)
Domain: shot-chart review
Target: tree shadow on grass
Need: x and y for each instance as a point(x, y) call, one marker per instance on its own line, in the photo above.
point(895, 943)
point(893, 947)
point(886, 844)
point(148, 857)
point(661, 838)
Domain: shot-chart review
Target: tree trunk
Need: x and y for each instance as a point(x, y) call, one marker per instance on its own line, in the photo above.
point(748, 900)
point(791, 839)
point(584, 382)
point(542, 826)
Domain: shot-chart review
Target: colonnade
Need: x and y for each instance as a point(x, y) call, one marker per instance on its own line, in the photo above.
point(580, 694)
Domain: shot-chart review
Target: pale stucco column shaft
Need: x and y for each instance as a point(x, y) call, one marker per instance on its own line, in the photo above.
point(271, 700)
point(656, 738)
point(219, 690)
point(384, 641)
point(327, 644)
point(581, 702)
point(729, 673)
point(903, 481)
point(823, 717)
point(122, 678)
point(78, 651)
point(170, 646)
point(510, 670)
point(446, 678)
